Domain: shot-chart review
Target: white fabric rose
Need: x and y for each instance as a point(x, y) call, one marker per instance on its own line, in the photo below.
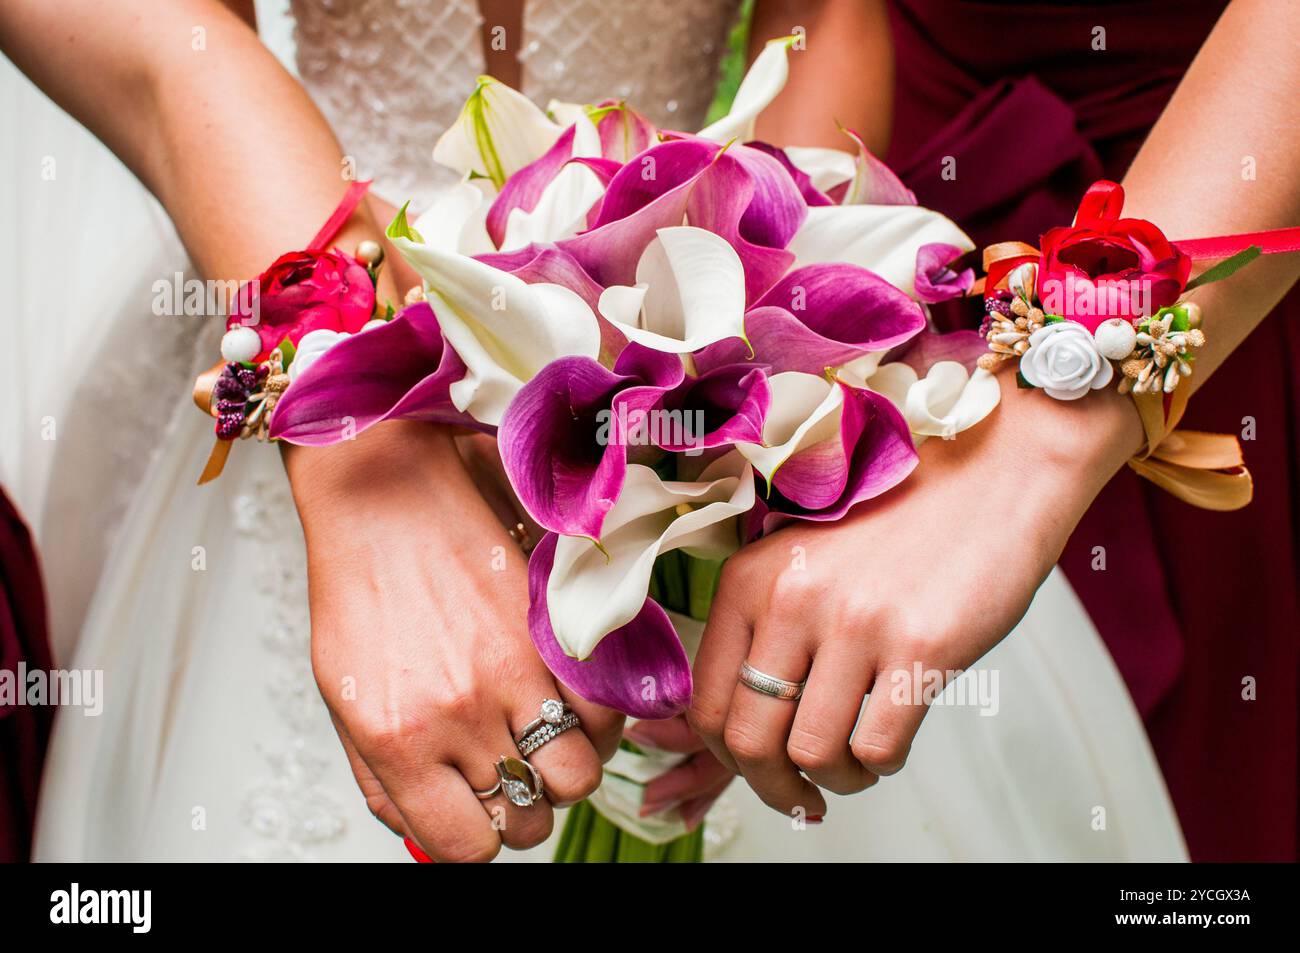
point(1063, 360)
point(312, 346)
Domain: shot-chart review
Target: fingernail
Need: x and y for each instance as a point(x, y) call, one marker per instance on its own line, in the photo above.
point(414, 850)
point(814, 818)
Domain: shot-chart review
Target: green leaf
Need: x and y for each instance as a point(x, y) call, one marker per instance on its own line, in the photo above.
point(1225, 268)
point(400, 228)
point(1022, 383)
point(287, 351)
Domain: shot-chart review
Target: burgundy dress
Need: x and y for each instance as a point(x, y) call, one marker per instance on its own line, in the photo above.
point(1032, 115)
point(24, 730)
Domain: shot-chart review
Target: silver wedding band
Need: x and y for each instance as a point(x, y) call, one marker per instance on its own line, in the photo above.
point(770, 685)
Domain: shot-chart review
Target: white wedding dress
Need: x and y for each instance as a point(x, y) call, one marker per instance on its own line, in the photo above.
point(214, 743)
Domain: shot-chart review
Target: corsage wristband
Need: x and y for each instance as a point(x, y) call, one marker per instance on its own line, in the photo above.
point(302, 303)
point(1104, 303)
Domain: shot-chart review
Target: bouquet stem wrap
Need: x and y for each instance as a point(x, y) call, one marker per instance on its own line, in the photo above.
point(684, 584)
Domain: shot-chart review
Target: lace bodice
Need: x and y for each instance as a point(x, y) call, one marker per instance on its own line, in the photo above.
point(391, 75)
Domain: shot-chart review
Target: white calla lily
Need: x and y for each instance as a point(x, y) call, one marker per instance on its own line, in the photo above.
point(764, 80)
point(498, 132)
point(690, 292)
point(591, 592)
point(457, 220)
point(945, 402)
point(561, 211)
point(805, 410)
point(880, 238)
point(504, 329)
point(566, 114)
point(826, 168)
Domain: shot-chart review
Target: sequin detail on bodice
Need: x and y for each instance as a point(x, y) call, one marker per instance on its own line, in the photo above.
point(391, 75)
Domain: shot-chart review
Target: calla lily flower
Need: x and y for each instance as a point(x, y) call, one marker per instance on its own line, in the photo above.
point(764, 80)
point(732, 401)
point(857, 179)
point(943, 403)
point(624, 132)
point(821, 316)
point(549, 199)
point(592, 591)
point(828, 446)
point(640, 668)
point(884, 239)
point(565, 475)
point(498, 132)
point(690, 292)
point(806, 410)
point(503, 328)
point(567, 438)
point(456, 221)
point(402, 370)
point(935, 280)
point(746, 198)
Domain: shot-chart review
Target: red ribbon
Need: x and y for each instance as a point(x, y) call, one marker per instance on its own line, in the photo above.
point(1271, 242)
point(1105, 200)
point(351, 199)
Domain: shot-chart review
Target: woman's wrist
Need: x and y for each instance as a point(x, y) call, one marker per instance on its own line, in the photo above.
point(390, 463)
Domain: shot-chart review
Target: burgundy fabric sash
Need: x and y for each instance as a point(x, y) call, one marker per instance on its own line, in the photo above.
point(1032, 115)
point(24, 729)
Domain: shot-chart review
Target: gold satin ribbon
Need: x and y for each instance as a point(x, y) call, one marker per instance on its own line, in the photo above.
point(1206, 470)
point(203, 387)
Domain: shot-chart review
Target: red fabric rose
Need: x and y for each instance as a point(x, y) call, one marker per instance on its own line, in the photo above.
point(1104, 266)
point(303, 291)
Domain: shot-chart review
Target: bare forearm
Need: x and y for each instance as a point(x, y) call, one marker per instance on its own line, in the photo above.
point(185, 94)
point(845, 75)
point(1221, 160)
point(1193, 178)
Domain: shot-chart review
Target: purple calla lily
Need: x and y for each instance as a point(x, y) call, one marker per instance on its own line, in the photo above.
point(732, 400)
point(811, 194)
point(550, 437)
point(873, 452)
point(624, 132)
point(821, 316)
point(935, 280)
point(615, 673)
point(524, 189)
point(401, 371)
point(747, 198)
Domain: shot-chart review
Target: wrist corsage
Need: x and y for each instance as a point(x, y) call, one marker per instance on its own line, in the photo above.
point(303, 303)
point(1105, 302)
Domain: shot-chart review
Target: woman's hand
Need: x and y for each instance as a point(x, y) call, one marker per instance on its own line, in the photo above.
point(691, 786)
point(418, 605)
point(935, 572)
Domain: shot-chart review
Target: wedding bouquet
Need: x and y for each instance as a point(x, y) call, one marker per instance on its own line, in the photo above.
point(681, 342)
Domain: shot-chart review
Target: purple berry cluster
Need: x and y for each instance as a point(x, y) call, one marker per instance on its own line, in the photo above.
point(998, 303)
point(231, 393)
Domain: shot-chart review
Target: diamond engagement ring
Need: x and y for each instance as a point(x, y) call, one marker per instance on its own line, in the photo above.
point(547, 732)
point(519, 781)
point(770, 685)
point(553, 712)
